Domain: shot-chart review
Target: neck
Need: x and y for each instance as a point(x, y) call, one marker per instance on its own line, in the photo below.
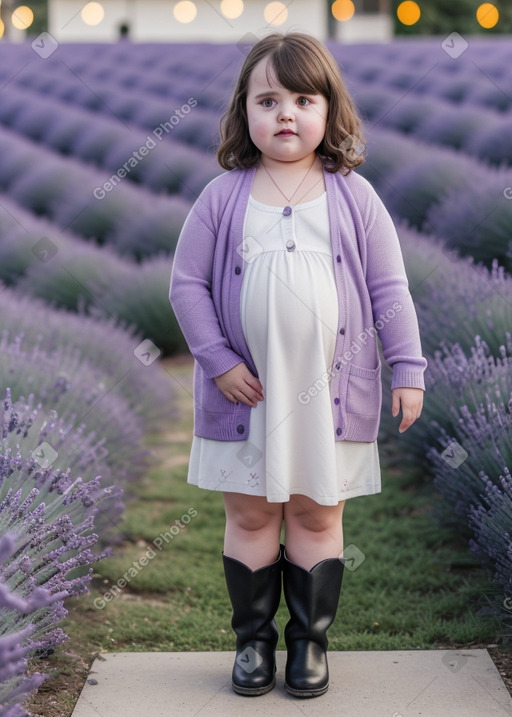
point(284, 167)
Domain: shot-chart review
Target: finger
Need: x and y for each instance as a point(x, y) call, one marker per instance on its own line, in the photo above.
point(254, 383)
point(243, 397)
point(408, 419)
point(251, 392)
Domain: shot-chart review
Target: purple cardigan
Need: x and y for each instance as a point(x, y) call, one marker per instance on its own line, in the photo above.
point(205, 287)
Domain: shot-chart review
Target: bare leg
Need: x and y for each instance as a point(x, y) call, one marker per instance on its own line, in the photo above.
point(313, 532)
point(253, 529)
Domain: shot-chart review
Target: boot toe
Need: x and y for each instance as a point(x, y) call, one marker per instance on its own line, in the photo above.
point(307, 673)
point(254, 669)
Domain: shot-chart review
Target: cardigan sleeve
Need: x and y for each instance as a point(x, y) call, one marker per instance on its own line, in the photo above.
point(392, 305)
point(190, 293)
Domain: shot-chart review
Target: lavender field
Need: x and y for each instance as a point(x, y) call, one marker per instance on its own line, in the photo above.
point(103, 150)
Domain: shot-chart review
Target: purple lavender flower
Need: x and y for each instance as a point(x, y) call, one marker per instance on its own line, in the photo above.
point(48, 521)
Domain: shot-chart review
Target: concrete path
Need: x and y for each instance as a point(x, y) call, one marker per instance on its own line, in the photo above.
point(430, 683)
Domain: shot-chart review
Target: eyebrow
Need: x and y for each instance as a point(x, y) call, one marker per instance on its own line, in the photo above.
point(276, 92)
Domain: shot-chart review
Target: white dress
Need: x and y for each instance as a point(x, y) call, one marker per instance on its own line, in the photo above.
point(289, 312)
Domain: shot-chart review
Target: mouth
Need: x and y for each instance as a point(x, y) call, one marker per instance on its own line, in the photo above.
point(286, 132)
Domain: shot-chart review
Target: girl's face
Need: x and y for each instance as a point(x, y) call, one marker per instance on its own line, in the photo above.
point(271, 109)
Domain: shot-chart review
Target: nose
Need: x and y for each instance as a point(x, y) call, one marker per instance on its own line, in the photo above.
point(285, 112)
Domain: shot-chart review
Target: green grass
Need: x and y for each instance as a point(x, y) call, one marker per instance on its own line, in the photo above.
point(407, 593)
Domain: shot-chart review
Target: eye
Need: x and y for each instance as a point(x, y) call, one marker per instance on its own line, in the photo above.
point(267, 99)
point(303, 104)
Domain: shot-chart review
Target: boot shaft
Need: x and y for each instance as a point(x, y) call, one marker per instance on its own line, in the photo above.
point(255, 597)
point(312, 597)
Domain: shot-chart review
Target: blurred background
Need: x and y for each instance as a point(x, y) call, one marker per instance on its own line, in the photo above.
point(227, 20)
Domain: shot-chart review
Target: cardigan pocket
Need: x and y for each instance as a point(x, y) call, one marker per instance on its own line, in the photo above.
point(364, 390)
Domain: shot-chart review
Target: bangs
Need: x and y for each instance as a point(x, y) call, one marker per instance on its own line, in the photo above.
point(297, 71)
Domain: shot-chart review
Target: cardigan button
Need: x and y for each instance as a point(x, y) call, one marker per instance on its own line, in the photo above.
point(240, 428)
point(338, 431)
point(342, 332)
point(336, 400)
point(237, 270)
point(338, 366)
point(338, 258)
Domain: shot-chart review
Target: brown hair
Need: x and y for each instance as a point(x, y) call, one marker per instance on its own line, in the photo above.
point(302, 64)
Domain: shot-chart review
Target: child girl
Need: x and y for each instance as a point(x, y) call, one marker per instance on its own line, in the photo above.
point(286, 270)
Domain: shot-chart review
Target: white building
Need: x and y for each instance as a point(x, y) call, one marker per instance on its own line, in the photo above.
point(217, 20)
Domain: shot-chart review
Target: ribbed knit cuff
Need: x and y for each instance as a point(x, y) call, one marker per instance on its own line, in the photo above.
point(218, 362)
point(406, 377)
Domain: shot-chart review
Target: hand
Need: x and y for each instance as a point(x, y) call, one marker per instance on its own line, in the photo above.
point(239, 385)
point(412, 402)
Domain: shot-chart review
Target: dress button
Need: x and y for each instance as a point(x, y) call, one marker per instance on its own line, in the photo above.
point(338, 431)
point(336, 400)
point(342, 331)
point(240, 428)
point(237, 270)
point(290, 245)
point(287, 211)
point(338, 258)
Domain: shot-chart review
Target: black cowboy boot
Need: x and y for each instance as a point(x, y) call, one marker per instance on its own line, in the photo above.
point(312, 598)
point(255, 596)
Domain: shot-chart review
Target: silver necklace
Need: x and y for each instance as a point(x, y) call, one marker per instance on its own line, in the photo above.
point(288, 210)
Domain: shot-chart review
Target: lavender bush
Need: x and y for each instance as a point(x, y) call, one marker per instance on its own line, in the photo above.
point(478, 298)
point(103, 141)
point(479, 421)
point(476, 219)
point(414, 188)
point(143, 299)
point(387, 152)
point(477, 131)
point(479, 302)
point(88, 279)
point(15, 685)
point(84, 397)
point(47, 521)
point(452, 379)
point(134, 220)
point(491, 521)
point(472, 475)
point(492, 142)
point(457, 82)
point(444, 198)
point(104, 343)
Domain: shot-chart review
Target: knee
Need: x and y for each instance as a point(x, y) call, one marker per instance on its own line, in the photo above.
point(253, 518)
point(314, 518)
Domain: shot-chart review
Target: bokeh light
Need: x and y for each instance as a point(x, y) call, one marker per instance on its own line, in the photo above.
point(343, 10)
point(408, 12)
point(93, 13)
point(22, 17)
point(232, 8)
point(487, 15)
point(185, 11)
point(275, 13)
